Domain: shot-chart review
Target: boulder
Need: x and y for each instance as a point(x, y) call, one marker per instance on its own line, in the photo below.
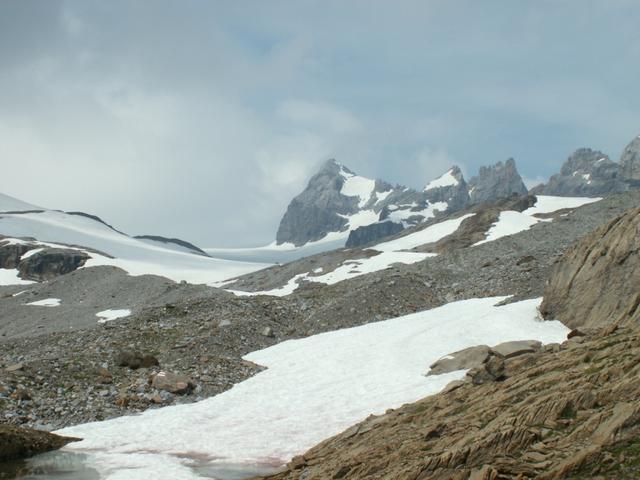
point(471, 357)
point(172, 383)
point(135, 360)
point(515, 348)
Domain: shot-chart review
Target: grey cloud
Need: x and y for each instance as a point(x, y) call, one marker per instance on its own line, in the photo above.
point(202, 119)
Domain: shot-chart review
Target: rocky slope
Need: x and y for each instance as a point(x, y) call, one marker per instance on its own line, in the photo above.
point(566, 411)
point(340, 204)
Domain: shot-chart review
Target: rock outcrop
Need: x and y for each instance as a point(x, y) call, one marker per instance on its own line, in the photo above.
point(586, 173)
point(10, 253)
point(369, 233)
point(498, 181)
point(16, 442)
point(51, 262)
point(630, 161)
point(596, 281)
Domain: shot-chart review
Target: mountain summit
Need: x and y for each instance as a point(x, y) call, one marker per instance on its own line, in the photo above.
point(339, 205)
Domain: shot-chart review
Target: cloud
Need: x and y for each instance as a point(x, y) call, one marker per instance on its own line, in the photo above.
point(196, 119)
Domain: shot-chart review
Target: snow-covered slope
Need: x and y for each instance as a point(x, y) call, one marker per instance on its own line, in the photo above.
point(107, 246)
point(397, 251)
point(11, 204)
point(312, 389)
point(511, 222)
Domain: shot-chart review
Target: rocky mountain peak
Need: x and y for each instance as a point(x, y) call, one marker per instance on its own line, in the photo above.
point(586, 172)
point(630, 160)
point(495, 182)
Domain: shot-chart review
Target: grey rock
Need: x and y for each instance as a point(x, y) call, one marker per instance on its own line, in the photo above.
point(471, 357)
point(50, 263)
point(630, 161)
point(456, 196)
point(316, 211)
point(519, 347)
point(370, 233)
point(498, 181)
point(268, 332)
point(586, 173)
point(10, 253)
point(172, 383)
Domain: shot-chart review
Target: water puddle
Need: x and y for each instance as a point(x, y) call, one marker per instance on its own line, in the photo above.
point(49, 466)
point(63, 465)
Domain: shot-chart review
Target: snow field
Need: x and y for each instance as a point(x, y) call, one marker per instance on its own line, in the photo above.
point(58, 229)
point(313, 388)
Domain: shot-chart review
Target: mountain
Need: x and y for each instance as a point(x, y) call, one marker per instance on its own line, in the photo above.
point(590, 172)
point(496, 182)
point(337, 204)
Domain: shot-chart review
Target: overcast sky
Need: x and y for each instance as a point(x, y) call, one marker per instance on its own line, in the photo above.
point(202, 119)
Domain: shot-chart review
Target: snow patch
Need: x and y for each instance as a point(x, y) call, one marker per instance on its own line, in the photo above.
point(445, 180)
point(109, 315)
point(509, 223)
point(400, 214)
point(30, 253)
point(382, 196)
point(313, 388)
point(550, 204)
point(9, 276)
point(432, 233)
point(47, 302)
point(356, 186)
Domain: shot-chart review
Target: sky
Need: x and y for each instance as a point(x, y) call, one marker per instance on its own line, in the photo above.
point(201, 119)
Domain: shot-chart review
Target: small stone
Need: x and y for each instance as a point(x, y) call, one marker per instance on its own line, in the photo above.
point(14, 368)
point(267, 332)
point(173, 383)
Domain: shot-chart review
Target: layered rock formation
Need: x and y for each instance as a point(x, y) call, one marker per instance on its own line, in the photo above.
point(496, 182)
point(597, 281)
